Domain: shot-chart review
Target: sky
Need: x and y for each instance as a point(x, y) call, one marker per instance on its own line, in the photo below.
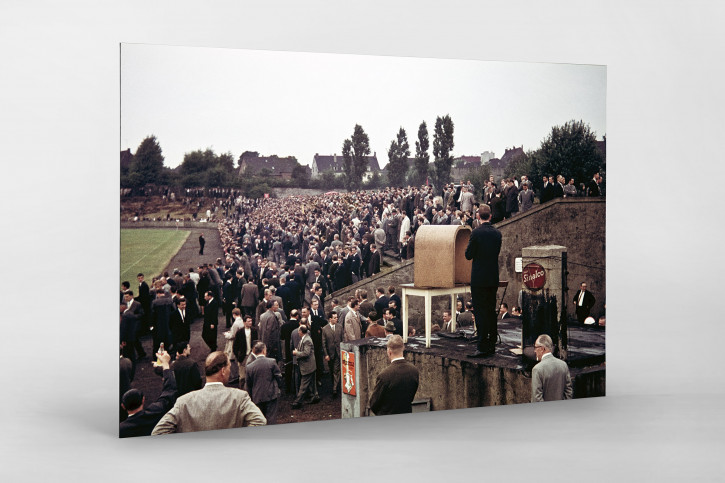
point(299, 104)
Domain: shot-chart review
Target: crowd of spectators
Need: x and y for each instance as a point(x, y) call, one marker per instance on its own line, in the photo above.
point(282, 258)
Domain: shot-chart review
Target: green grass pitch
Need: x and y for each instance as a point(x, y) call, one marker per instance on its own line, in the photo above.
point(148, 251)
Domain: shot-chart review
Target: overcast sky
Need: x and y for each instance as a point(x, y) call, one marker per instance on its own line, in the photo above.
point(299, 104)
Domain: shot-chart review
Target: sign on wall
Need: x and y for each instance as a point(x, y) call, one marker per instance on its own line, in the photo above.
point(348, 373)
point(533, 276)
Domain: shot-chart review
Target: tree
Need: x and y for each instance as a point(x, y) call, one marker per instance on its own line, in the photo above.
point(520, 165)
point(147, 163)
point(421, 154)
point(197, 162)
point(354, 152)
point(301, 174)
point(442, 147)
point(570, 150)
point(398, 159)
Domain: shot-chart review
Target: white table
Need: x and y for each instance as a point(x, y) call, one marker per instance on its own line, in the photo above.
point(429, 293)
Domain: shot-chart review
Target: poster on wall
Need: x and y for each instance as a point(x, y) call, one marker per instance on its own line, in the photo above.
point(269, 205)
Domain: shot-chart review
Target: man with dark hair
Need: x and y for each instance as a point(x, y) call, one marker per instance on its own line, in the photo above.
point(376, 260)
point(141, 421)
point(202, 242)
point(270, 324)
point(131, 326)
point(353, 326)
point(243, 341)
point(263, 381)
point(396, 386)
point(550, 379)
point(503, 311)
point(390, 316)
point(144, 298)
point(180, 324)
point(305, 353)
point(394, 296)
point(211, 321)
point(583, 303)
point(213, 407)
point(285, 335)
point(382, 301)
point(186, 371)
point(331, 337)
point(483, 248)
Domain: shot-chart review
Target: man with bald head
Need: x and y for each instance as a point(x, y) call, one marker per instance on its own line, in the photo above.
point(213, 407)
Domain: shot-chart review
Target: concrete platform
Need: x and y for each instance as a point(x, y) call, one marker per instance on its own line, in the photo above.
point(450, 379)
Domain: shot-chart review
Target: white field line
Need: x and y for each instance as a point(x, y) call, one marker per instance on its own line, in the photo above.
point(153, 250)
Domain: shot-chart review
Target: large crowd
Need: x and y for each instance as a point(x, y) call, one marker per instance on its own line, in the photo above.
point(282, 258)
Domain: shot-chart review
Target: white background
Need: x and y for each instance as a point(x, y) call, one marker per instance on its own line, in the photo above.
point(59, 138)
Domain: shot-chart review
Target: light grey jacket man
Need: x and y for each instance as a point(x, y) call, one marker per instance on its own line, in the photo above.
point(306, 355)
point(213, 407)
point(550, 380)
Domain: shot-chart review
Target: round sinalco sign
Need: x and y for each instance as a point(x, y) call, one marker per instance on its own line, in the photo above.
point(533, 276)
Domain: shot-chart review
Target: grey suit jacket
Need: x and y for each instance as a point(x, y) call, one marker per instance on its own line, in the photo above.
point(306, 355)
point(263, 379)
point(550, 380)
point(331, 340)
point(213, 407)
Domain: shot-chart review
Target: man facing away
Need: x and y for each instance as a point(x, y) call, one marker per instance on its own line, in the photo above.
point(550, 379)
point(213, 407)
point(305, 353)
point(141, 420)
point(263, 380)
point(483, 248)
point(396, 386)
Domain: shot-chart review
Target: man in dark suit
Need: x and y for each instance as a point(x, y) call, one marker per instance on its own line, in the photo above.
point(285, 335)
point(381, 303)
point(483, 248)
point(133, 314)
point(186, 371)
point(202, 242)
point(141, 421)
point(396, 386)
point(332, 335)
point(211, 321)
point(144, 298)
point(263, 381)
point(583, 303)
point(244, 340)
point(179, 323)
point(317, 322)
point(503, 311)
point(375, 260)
point(593, 186)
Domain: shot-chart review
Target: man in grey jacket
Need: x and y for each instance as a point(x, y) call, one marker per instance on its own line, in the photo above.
point(213, 407)
point(305, 353)
point(263, 381)
point(550, 379)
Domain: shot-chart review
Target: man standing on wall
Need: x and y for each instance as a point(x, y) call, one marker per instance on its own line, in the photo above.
point(483, 248)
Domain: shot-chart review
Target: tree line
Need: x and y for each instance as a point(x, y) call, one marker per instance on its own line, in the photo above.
point(570, 150)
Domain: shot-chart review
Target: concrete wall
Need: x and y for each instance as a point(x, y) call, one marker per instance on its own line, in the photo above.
point(167, 224)
point(576, 223)
point(458, 384)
